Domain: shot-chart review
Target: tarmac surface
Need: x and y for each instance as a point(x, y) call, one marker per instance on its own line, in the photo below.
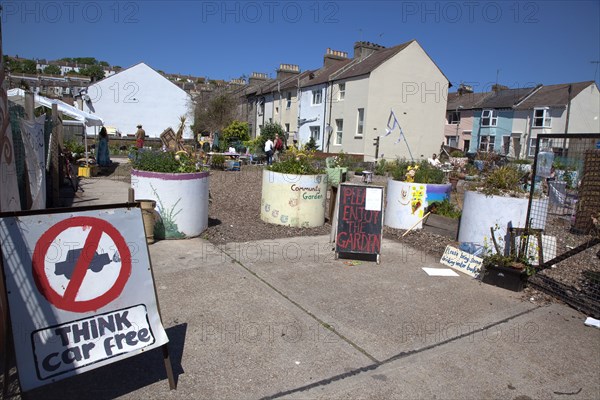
point(284, 319)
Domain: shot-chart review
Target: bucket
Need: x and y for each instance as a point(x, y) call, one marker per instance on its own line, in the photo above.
point(147, 207)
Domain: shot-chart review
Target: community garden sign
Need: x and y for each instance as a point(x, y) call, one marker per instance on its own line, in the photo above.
point(80, 291)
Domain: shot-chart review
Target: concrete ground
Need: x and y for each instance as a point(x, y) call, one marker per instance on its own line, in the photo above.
point(284, 319)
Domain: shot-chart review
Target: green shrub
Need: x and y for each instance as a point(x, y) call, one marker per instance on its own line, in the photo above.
point(297, 162)
point(503, 180)
point(445, 208)
point(424, 172)
point(74, 147)
point(217, 161)
point(457, 153)
point(167, 162)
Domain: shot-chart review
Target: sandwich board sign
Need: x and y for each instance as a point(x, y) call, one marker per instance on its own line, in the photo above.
point(80, 291)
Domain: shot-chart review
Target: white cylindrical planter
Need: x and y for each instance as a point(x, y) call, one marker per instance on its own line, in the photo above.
point(406, 202)
point(293, 200)
point(181, 201)
point(481, 212)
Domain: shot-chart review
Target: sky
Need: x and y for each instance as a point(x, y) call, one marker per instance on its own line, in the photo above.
point(515, 43)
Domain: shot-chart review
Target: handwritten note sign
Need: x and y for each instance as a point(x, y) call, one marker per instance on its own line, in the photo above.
point(462, 261)
point(360, 219)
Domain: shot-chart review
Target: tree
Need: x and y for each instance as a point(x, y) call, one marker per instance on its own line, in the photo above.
point(52, 70)
point(237, 130)
point(96, 72)
point(214, 113)
point(268, 131)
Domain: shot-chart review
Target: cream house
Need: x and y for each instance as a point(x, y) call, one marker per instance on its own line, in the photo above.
point(379, 80)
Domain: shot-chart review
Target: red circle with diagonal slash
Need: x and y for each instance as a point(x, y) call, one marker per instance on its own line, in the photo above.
point(67, 301)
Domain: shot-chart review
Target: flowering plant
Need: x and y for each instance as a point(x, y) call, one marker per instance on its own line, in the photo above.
point(297, 162)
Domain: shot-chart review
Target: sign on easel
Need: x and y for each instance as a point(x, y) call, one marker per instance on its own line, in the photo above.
point(80, 291)
point(359, 225)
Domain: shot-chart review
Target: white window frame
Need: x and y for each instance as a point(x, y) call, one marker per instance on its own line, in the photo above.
point(341, 91)
point(315, 132)
point(491, 115)
point(452, 141)
point(288, 99)
point(490, 141)
point(360, 121)
point(544, 143)
point(339, 129)
point(317, 97)
point(545, 119)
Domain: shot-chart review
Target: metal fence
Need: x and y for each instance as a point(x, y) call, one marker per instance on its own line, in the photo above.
point(563, 218)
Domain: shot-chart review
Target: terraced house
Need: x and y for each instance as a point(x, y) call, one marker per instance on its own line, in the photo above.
point(347, 102)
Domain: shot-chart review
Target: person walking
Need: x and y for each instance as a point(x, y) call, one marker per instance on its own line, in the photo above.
point(269, 151)
point(140, 136)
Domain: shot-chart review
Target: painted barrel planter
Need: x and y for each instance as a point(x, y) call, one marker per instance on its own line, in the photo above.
point(481, 212)
point(293, 200)
point(406, 202)
point(181, 201)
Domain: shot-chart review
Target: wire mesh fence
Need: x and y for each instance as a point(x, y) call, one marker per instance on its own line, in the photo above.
point(563, 212)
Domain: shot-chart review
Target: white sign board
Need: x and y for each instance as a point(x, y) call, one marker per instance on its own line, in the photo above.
point(80, 291)
point(462, 261)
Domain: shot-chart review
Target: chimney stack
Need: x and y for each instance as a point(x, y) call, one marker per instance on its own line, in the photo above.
point(363, 49)
point(257, 77)
point(286, 70)
point(333, 56)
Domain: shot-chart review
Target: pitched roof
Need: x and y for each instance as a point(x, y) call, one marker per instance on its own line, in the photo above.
point(467, 101)
point(366, 65)
point(505, 98)
point(553, 95)
point(323, 74)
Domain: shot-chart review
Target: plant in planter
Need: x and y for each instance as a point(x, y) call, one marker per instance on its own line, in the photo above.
point(294, 191)
point(337, 167)
point(509, 265)
point(499, 200)
point(412, 189)
point(179, 185)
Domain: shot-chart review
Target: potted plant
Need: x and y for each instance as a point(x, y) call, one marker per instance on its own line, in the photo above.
point(499, 199)
point(179, 186)
point(410, 190)
point(509, 263)
point(337, 168)
point(294, 191)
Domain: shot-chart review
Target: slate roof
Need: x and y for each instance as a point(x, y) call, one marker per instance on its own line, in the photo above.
point(553, 95)
point(323, 74)
point(505, 98)
point(468, 101)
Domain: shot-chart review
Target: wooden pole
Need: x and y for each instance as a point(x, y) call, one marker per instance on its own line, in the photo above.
point(416, 223)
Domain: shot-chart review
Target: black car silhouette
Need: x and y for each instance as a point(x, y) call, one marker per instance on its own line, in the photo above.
point(66, 267)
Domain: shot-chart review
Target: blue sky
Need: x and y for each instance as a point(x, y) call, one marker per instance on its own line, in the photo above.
point(523, 42)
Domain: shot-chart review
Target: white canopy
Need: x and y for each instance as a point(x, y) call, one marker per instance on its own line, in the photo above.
point(18, 96)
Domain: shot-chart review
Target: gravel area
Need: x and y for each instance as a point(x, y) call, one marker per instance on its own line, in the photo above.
point(234, 216)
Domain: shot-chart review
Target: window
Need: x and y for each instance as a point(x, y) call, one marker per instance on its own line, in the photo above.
point(287, 128)
point(261, 106)
point(341, 91)
point(339, 127)
point(288, 98)
point(452, 141)
point(317, 97)
point(541, 118)
point(454, 117)
point(544, 144)
point(315, 132)
point(360, 121)
point(276, 110)
point(489, 118)
point(467, 144)
point(486, 143)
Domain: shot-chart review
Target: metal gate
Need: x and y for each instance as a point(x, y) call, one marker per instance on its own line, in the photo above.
point(565, 175)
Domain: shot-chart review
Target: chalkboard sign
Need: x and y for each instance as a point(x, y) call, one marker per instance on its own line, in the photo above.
point(359, 220)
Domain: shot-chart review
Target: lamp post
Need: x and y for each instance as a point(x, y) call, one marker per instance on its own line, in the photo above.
point(457, 122)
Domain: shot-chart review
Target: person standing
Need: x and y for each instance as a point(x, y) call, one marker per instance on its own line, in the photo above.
point(140, 136)
point(103, 152)
point(269, 151)
point(278, 146)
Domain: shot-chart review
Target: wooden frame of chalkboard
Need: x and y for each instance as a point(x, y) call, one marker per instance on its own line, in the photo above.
point(357, 228)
